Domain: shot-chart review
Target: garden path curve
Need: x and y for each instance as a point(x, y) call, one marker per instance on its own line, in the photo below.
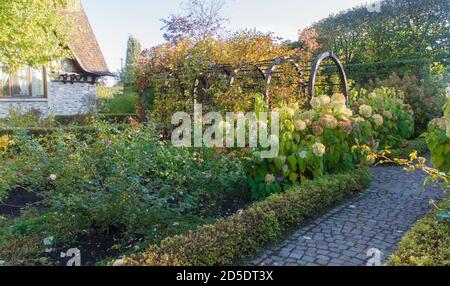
point(377, 218)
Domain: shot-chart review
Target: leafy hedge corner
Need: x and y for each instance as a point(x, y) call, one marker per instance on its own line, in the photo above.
point(427, 244)
point(408, 147)
point(247, 232)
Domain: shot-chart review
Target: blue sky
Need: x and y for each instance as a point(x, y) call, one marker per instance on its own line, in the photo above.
point(114, 20)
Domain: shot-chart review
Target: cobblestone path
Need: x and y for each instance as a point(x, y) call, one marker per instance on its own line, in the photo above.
point(377, 219)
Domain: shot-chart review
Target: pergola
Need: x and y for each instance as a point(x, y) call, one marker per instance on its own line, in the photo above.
point(264, 73)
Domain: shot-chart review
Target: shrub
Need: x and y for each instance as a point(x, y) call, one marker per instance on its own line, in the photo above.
point(18, 118)
point(312, 143)
point(408, 147)
point(121, 103)
point(247, 232)
point(427, 244)
point(117, 100)
point(117, 180)
point(117, 118)
point(439, 145)
point(330, 138)
point(425, 96)
point(438, 140)
point(390, 121)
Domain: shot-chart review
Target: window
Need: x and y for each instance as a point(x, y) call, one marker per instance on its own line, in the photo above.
point(26, 83)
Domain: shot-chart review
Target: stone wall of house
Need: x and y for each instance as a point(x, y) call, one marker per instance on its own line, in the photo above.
point(71, 99)
point(23, 106)
point(62, 99)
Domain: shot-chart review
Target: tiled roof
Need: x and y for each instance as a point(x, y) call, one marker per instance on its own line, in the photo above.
point(83, 44)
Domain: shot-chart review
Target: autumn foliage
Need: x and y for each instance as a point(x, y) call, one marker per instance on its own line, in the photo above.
point(187, 71)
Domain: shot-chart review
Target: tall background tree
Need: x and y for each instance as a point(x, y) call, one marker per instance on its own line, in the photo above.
point(32, 32)
point(202, 20)
point(407, 30)
point(133, 52)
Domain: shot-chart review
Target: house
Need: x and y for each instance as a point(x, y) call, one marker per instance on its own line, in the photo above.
point(67, 90)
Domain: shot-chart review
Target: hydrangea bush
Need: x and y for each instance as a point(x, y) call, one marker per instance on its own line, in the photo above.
point(312, 143)
point(385, 120)
point(328, 137)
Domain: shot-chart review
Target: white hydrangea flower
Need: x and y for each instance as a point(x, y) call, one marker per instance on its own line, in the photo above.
point(316, 103)
point(338, 106)
point(338, 98)
point(379, 120)
point(269, 179)
point(300, 125)
point(319, 149)
point(365, 110)
point(308, 115)
point(328, 121)
point(388, 115)
point(324, 100)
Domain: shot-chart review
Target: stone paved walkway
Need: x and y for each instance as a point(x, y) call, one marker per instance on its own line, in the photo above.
point(378, 218)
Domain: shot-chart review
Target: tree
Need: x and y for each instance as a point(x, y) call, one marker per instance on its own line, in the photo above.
point(32, 32)
point(202, 20)
point(406, 29)
point(133, 53)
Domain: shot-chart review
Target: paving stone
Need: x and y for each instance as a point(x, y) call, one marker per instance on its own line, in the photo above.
point(308, 259)
point(296, 255)
point(378, 218)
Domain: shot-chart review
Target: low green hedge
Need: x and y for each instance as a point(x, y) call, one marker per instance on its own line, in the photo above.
point(117, 118)
point(427, 244)
point(87, 119)
point(247, 232)
point(42, 131)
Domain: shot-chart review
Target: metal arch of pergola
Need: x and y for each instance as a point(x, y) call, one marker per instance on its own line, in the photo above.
point(265, 71)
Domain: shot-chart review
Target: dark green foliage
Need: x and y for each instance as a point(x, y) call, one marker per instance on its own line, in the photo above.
point(119, 181)
point(260, 189)
point(247, 232)
point(413, 29)
point(404, 37)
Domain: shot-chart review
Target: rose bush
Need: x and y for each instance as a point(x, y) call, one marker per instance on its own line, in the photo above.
point(123, 182)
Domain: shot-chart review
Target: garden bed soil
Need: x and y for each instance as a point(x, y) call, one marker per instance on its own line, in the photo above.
point(17, 201)
point(94, 249)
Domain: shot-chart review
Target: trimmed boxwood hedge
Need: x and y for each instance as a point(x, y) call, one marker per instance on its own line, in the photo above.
point(86, 119)
point(427, 244)
point(248, 232)
point(118, 118)
point(42, 131)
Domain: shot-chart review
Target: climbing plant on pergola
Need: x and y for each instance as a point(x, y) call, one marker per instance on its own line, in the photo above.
point(227, 75)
